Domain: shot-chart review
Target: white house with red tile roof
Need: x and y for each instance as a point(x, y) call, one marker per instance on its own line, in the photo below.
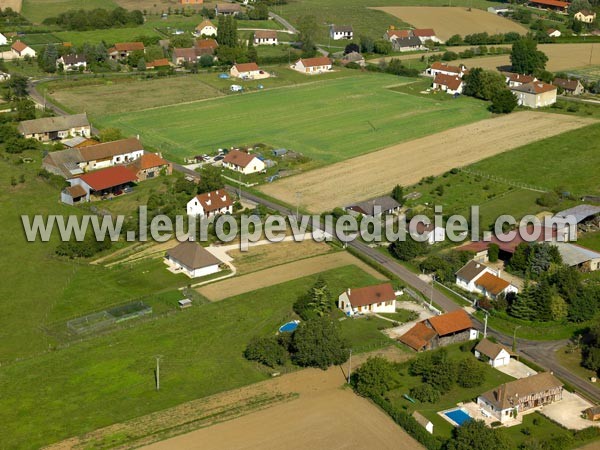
point(210, 204)
point(552, 32)
point(122, 50)
point(248, 71)
point(481, 279)
point(426, 34)
point(451, 84)
point(517, 79)
point(370, 299)
point(535, 94)
point(206, 28)
point(439, 67)
point(20, 50)
point(312, 66)
point(265, 37)
point(243, 162)
point(392, 34)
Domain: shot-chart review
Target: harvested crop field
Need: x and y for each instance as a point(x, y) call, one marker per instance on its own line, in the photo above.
point(370, 175)
point(450, 21)
point(560, 57)
point(14, 4)
point(305, 422)
point(260, 257)
point(286, 272)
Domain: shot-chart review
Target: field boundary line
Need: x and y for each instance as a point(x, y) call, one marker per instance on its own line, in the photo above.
point(502, 180)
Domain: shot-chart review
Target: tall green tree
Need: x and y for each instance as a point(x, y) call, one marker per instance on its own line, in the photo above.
point(475, 435)
point(318, 343)
point(526, 58)
point(375, 377)
point(307, 32)
point(503, 102)
point(398, 193)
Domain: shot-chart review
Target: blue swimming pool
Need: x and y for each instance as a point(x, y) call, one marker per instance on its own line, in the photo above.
point(289, 327)
point(458, 416)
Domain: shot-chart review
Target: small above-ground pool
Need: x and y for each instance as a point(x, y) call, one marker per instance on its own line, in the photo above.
point(458, 416)
point(289, 327)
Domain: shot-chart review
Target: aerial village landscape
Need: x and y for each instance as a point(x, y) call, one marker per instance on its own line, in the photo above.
point(191, 193)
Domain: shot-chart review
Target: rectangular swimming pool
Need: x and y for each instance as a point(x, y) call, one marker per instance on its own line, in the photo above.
point(458, 416)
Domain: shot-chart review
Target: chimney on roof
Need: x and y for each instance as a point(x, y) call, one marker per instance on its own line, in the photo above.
point(348, 291)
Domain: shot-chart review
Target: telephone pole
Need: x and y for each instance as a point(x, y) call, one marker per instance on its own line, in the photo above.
point(485, 326)
point(349, 366)
point(158, 372)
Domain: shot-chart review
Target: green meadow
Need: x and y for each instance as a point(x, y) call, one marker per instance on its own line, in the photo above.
point(328, 121)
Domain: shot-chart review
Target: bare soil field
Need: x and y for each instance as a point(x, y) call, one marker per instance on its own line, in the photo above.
point(323, 416)
point(560, 57)
point(374, 174)
point(270, 255)
point(154, 6)
point(14, 4)
point(285, 272)
point(450, 21)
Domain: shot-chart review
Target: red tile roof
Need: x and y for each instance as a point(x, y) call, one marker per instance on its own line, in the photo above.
point(423, 32)
point(371, 294)
point(556, 3)
point(149, 161)
point(163, 62)
point(108, 178)
point(536, 87)
point(19, 46)
point(398, 33)
point(315, 62)
point(446, 68)
point(76, 191)
point(418, 336)
point(265, 34)
point(215, 200)
point(238, 158)
point(491, 283)
point(206, 44)
point(129, 46)
point(451, 322)
point(247, 67)
point(517, 77)
point(451, 81)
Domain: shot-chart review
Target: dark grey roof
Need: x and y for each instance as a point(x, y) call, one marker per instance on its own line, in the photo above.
point(580, 212)
point(470, 270)
point(573, 255)
point(50, 124)
point(73, 59)
point(411, 41)
point(385, 204)
point(192, 255)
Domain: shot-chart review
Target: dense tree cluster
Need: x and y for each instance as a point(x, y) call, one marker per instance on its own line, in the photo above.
point(476, 435)
point(86, 248)
point(408, 248)
point(316, 302)
point(483, 39)
point(591, 350)
point(445, 265)
point(99, 18)
point(526, 58)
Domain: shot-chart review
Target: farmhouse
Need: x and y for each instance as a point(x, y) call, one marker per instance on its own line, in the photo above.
point(393, 34)
point(192, 259)
point(110, 181)
point(53, 128)
point(243, 162)
point(210, 204)
point(228, 9)
point(407, 44)
point(122, 50)
point(337, 32)
point(551, 32)
point(451, 84)
point(376, 207)
point(585, 16)
point(438, 67)
point(572, 87)
point(313, 65)
point(554, 5)
point(20, 50)
point(438, 331)
point(150, 165)
point(71, 62)
point(206, 28)
point(535, 95)
point(371, 299)
point(205, 47)
point(519, 396)
point(517, 79)
point(265, 37)
point(425, 34)
point(496, 355)
point(185, 55)
point(248, 71)
point(75, 161)
point(481, 279)
point(574, 255)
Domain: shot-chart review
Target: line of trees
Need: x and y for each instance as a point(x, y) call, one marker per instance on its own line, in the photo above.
point(99, 18)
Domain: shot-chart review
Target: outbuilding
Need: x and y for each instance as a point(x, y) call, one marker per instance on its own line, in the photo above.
point(192, 259)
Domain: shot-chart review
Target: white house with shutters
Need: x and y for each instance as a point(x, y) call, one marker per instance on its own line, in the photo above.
point(210, 204)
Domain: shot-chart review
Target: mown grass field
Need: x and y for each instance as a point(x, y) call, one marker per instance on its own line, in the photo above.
point(328, 121)
point(569, 160)
point(109, 378)
point(37, 10)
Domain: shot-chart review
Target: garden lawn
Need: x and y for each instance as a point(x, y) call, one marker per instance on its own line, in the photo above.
point(569, 161)
point(328, 121)
point(110, 36)
point(590, 240)
point(110, 378)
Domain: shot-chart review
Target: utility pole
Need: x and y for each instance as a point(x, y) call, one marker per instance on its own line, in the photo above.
point(591, 53)
point(514, 346)
point(485, 326)
point(431, 298)
point(298, 197)
point(349, 366)
point(158, 372)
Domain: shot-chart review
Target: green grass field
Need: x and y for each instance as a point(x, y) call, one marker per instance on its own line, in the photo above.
point(328, 121)
point(109, 378)
point(37, 10)
point(567, 160)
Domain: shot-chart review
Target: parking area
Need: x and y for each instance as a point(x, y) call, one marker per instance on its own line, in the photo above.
point(567, 412)
point(516, 369)
point(424, 313)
